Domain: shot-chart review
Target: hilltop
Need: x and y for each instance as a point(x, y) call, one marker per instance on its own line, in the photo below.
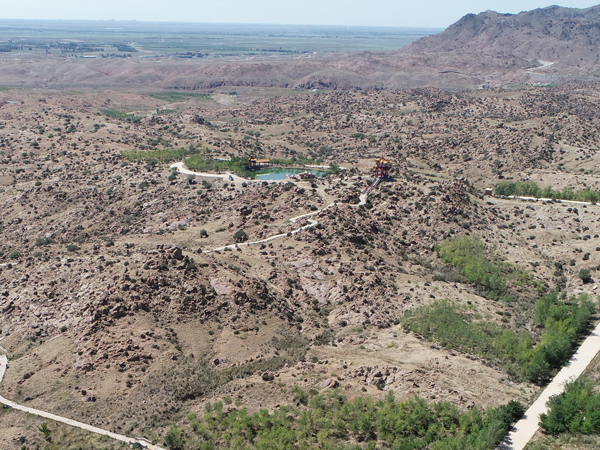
point(569, 36)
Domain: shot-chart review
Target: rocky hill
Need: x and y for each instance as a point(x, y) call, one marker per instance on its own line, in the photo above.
point(568, 36)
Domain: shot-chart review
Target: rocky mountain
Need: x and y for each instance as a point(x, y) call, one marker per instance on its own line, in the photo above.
point(568, 36)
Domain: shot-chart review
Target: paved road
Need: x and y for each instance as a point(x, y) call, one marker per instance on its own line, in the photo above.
point(525, 428)
point(74, 423)
point(544, 199)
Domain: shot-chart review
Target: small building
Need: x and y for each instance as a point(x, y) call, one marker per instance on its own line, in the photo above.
point(489, 192)
point(382, 168)
point(255, 164)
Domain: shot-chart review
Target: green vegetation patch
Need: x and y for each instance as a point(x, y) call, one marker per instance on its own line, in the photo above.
point(493, 277)
point(458, 329)
point(236, 165)
point(576, 410)
point(332, 422)
point(198, 378)
point(178, 96)
point(116, 114)
point(531, 189)
point(164, 155)
point(455, 328)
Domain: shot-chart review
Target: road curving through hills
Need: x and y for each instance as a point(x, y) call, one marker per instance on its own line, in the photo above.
point(67, 421)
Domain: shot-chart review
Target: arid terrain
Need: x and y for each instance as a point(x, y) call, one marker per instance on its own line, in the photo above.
point(116, 311)
point(136, 307)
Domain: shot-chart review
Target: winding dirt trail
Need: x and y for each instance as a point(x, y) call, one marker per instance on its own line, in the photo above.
point(182, 169)
point(224, 176)
point(544, 65)
point(71, 422)
point(311, 223)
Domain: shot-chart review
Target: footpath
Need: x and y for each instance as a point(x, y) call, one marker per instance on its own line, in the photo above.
point(73, 423)
point(524, 429)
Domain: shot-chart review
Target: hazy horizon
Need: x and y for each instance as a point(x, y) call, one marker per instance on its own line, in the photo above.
point(380, 13)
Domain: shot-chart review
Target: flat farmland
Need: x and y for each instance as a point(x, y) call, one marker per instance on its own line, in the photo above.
point(147, 38)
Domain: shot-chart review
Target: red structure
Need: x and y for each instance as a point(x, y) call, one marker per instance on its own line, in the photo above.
point(382, 168)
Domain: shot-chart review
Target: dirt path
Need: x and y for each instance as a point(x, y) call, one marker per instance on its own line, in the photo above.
point(181, 168)
point(74, 423)
point(525, 428)
point(311, 224)
point(544, 65)
point(224, 176)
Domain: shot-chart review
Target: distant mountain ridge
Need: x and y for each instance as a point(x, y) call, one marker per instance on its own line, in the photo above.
point(568, 36)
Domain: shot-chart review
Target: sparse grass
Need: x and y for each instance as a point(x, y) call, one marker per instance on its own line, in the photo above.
point(178, 96)
point(196, 379)
point(563, 320)
point(481, 267)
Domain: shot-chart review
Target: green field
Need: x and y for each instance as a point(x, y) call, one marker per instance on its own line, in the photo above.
point(77, 38)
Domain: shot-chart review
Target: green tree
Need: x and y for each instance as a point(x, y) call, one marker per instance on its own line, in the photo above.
point(44, 429)
point(173, 439)
point(240, 236)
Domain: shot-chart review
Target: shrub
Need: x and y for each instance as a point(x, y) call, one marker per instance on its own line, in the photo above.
point(267, 377)
point(300, 395)
point(44, 241)
point(576, 410)
point(585, 275)
point(240, 236)
point(44, 429)
point(15, 255)
point(72, 248)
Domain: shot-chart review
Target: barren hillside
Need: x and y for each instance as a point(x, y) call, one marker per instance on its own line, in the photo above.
point(569, 36)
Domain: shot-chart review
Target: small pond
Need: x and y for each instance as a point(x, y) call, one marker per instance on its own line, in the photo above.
point(279, 173)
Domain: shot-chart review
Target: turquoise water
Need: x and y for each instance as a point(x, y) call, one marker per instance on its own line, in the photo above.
point(278, 174)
